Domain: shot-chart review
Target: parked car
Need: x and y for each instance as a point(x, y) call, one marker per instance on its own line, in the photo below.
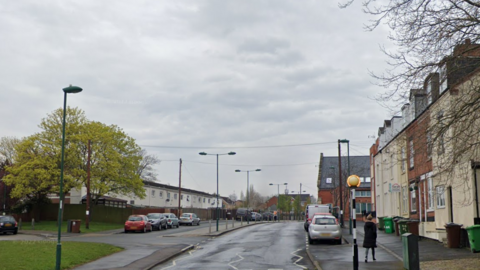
point(256, 216)
point(244, 214)
point(8, 224)
point(189, 219)
point(138, 223)
point(267, 216)
point(309, 220)
point(158, 221)
point(172, 220)
point(324, 227)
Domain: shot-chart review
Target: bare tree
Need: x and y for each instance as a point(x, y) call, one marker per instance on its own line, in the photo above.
point(145, 170)
point(7, 149)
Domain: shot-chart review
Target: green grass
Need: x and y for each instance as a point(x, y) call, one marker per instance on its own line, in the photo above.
point(42, 254)
point(52, 226)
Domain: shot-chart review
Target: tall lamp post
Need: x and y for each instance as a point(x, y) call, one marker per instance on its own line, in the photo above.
point(348, 173)
point(205, 154)
point(67, 90)
point(278, 197)
point(353, 182)
point(248, 186)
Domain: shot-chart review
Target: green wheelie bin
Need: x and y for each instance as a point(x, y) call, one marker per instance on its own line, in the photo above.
point(381, 224)
point(474, 237)
point(388, 223)
point(403, 226)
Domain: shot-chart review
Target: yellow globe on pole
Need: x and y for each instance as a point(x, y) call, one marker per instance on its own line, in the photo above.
point(353, 181)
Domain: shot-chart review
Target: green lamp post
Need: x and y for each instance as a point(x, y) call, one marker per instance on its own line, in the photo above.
point(67, 90)
point(205, 154)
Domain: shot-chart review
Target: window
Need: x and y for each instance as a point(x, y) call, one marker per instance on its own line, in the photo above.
point(440, 196)
point(160, 194)
point(368, 180)
point(203, 199)
point(188, 198)
point(429, 145)
point(363, 207)
point(175, 196)
point(168, 195)
point(153, 193)
point(430, 193)
point(208, 200)
point(404, 160)
point(405, 199)
point(181, 197)
point(363, 193)
point(412, 153)
point(413, 198)
point(199, 199)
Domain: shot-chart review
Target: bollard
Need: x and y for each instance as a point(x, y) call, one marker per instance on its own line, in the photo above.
point(226, 223)
point(241, 221)
point(210, 226)
point(411, 259)
point(33, 224)
point(233, 222)
point(19, 224)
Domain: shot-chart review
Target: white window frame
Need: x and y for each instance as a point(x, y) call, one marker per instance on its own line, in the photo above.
point(175, 196)
point(413, 199)
point(160, 194)
point(153, 193)
point(440, 197)
point(405, 199)
point(412, 154)
point(404, 159)
point(431, 202)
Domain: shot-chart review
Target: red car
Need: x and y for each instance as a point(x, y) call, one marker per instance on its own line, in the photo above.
point(138, 223)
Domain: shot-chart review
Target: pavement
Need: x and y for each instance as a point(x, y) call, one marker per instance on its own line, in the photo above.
point(139, 257)
point(389, 253)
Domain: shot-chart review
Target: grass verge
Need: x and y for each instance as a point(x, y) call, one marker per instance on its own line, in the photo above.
point(41, 255)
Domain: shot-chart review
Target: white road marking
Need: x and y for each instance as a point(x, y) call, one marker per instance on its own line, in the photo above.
point(241, 258)
point(300, 258)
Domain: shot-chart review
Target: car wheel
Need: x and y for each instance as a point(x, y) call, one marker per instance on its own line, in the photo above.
point(310, 240)
point(126, 231)
point(144, 229)
point(15, 232)
point(178, 225)
point(339, 241)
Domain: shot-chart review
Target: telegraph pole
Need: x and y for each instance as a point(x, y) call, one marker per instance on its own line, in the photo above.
point(180, 188)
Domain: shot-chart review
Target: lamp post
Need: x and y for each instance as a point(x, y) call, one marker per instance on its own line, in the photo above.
point(248, 187)
point(67, 90)
point(205, 154)
point(278, 198)
point(353, 182)
point(348, 173)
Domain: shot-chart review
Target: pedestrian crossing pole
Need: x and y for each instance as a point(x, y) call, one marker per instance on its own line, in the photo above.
point(353, 182)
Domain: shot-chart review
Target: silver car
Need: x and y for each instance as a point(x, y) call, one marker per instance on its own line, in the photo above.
point(324, 227)
point(172, 220)
point(189, 219)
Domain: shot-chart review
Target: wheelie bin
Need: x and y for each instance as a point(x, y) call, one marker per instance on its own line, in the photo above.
point(474, 237)
point(453, 234)
point(388, 223)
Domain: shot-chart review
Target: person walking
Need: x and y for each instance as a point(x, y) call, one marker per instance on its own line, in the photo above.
point(370, 237)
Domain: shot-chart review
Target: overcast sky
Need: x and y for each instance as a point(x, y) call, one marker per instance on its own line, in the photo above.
point(278, 82)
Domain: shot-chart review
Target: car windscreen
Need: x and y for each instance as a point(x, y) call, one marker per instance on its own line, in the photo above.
point(7, 218)
point(186, 215)
point(135, 219)
point(154, 216)
point(325, 221)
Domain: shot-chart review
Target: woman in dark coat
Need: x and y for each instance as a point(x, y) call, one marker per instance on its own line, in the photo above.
point(370, 238)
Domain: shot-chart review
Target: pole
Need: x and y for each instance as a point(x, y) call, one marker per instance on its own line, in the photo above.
point(60, 206)
point(351, 207)
point(355, 247)
point(217, 194)
point(87, 219)
point(340, 183)
point(248, 194)
point(180, 188)
point(278, 202)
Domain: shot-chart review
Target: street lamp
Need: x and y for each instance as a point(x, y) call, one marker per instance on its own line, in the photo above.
point(205, 154)
point(248, 187)
point(278, 197)
point(67, 90)
point(353, 182)
point(348, 173)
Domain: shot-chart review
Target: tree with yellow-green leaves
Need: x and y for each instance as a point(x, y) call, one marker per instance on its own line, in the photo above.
point(114, 162)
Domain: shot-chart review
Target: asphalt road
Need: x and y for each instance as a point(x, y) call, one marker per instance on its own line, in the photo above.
point(265, 246)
